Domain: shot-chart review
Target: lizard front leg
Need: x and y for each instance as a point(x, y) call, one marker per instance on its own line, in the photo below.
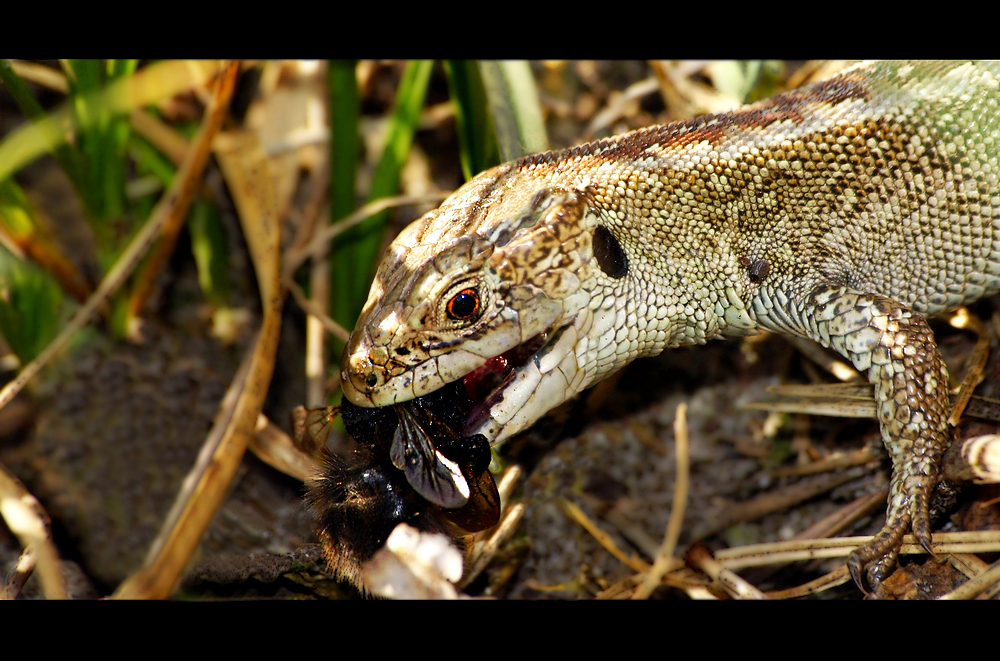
point(896, 346)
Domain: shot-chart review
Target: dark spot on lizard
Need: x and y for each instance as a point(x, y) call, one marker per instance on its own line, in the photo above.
point(609, 253)
point(758, 270)
point(504, 237)
point(402, 351)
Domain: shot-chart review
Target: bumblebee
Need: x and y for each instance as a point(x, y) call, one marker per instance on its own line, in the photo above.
point(404, 464)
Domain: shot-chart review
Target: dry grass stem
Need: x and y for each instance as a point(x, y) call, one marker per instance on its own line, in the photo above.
point(985, 584)
point(614, 110)
point(975, 369)
point(575, 513)
point(315, 358)
point(306, 304)
point(754, 555)
point(319, 243)
point(775, 501)
point(275, 448)
point(201, 465)
point(168, 141)
point(831, 580)
point(850, 400)
point(487, 550)
point(975, 459)
point(700, 557)
point(860, 457)
point(834, 522)
point(29, 522)
point(814, 352)
point(634, 533)
point(22, 572)
point(40, 74)
point(681, 485)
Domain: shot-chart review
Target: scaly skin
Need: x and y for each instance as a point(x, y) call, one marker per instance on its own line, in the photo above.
point(844, 212)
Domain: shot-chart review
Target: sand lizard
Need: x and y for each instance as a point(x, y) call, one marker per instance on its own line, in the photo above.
point(845, 211)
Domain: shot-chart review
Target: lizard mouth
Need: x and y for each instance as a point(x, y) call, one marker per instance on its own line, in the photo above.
point(485, 385)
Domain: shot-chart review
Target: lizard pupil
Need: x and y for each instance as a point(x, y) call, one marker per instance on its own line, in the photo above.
point(464, 305)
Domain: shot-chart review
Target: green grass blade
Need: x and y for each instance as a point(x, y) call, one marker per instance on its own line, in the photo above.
point(84, 78)
point(345, 140)
point(19, 91)
point(745, 80)
point(211, 252)
point(355, 253)
point(102, 136)
point(17, 219)
point(30, 305)
point(345, 153)
point(19, 224)
point(65, 155)
point(517, 114)
point(769, 79)
point(476, 137)
point(734, 78)
point(149, 160)
point(147, 86)
point(115, 143)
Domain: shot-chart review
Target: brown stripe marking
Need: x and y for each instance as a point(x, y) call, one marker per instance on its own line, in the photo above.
point(713, 128)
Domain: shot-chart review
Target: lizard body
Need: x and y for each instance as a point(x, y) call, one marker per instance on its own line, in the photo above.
point(845, 212)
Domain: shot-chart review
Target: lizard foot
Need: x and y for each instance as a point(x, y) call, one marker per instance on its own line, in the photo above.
point(870, 563)
point(873, 562)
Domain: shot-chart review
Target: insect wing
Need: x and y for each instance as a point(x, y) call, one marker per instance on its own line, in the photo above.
point(430, 473)
point(319, 424)
point(472, 454)
point(483, 508)
point(311, 428)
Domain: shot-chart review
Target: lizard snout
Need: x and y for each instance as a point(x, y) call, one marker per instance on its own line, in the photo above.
point(359, 374)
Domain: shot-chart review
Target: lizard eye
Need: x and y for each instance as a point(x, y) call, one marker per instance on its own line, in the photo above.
point(464, 306)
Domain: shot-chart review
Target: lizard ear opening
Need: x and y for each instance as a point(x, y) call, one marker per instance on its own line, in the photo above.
point(609, 253)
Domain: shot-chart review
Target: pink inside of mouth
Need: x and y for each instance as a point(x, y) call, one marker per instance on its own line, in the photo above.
point(485, 384)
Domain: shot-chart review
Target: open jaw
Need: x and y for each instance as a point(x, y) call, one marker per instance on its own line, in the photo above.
point(500, 387)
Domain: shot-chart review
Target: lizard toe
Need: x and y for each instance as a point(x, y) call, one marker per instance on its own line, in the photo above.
point(920, 514)
point(871, 563)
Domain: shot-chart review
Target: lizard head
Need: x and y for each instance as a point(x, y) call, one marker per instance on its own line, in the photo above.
point(493, 287)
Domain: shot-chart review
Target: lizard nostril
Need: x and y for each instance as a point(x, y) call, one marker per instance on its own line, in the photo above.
point(371, 380)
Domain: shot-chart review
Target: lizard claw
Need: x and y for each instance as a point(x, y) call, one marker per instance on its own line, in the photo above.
point(873, 562)
point(922, 525)
point(870, 563)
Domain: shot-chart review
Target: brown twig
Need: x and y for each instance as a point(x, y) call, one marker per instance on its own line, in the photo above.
point(146, 277)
